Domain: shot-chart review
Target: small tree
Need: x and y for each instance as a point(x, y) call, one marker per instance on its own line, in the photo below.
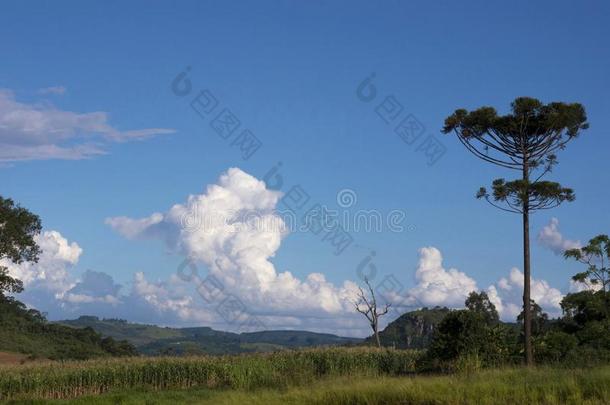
point(472, 331)
point(370, 310)
point(588, 312)
point(18, 226)
point(583, 308)
point(461, 332)
point(480, 303)
point(539, 318)
point(596, 255)
point(525, 140)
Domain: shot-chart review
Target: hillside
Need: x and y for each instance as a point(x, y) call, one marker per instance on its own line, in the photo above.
point(412, 330)
point(154, 340)
point(27, 332)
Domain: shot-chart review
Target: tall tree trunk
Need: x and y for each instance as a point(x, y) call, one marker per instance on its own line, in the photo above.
point(527, 316)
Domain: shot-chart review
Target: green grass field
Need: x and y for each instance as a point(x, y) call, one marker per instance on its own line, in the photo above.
point(320, 376)
point(54, 380)
point(507, 386)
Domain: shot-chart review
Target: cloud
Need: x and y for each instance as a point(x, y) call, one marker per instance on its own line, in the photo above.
point(233, 253)
point(172, 299)
point(135, 228)
point(551, 238)
point(236, 248)
point(50, 284)
point(51, 272)
point(507, 295)
point(437, 286)
point(55, 90)
point(237, 251)
point(39, 131)
point(93, 287)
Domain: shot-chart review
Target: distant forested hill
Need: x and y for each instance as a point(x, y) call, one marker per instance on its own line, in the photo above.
point(155, 340)
point(26, 331)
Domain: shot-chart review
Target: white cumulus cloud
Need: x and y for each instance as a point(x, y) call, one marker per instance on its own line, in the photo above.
point(52, 270)
point(231, 232)
point(551, 238)
point(234, 231)
point(507, 295)
point(51, 285)
point(438, 286)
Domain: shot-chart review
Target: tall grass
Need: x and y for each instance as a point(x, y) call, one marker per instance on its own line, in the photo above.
point(509, 385)
point(543, 385)
point(62, 380)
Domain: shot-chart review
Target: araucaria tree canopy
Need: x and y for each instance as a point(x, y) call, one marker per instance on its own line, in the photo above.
point(526, 139)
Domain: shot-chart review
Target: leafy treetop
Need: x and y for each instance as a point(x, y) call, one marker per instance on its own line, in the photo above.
point(18, 227)
point(531, 132)
point(596, 255)
point(480, 303)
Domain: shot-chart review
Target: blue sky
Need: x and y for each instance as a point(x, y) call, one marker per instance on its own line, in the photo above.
point(289, 71)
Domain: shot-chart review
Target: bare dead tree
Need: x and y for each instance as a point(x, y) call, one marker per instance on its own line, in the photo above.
point(370, 309)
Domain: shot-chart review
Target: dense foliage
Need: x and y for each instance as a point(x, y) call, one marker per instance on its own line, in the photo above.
point(580, 336)
point(26, 331)
point(472, 332)
point(18, 227)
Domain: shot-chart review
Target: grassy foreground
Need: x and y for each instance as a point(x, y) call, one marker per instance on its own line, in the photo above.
point(318, 376)
point(54, 380)
point(506, 386)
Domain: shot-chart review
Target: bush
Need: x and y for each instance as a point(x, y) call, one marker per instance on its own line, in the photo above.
point(586, 318)
point(467, 333)
point(554, 346)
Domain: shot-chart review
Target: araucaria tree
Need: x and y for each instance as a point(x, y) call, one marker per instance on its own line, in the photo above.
point(368, 308)
point(527, 140)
